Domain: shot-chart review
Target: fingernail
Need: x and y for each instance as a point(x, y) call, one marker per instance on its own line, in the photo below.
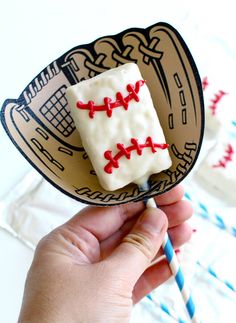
point(152, 220)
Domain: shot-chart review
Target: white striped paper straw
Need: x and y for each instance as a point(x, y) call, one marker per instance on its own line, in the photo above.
point(166, 309)
point(204, 211)
point(213, 273)
point(176, 271)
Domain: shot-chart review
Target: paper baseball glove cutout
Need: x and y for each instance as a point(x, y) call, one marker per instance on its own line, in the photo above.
point(40, 125)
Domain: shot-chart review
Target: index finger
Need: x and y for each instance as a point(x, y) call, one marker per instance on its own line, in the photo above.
point(174, 195)
point(102, 222)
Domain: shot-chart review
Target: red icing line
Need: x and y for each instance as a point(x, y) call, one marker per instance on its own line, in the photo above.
point(227, 158)
point(205, 83)
point(109, 105)
point(216, 100)
point(126, 151)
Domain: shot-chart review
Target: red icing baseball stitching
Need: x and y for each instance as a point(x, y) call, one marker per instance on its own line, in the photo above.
point(205, 83)
point(108, 105)
point(126, 152)
point(227, 158)
point(216, 100)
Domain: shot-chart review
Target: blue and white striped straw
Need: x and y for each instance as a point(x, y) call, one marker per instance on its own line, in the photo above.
point(166, 309)
point(213, 273)
point(176, 271)
point(205, 212)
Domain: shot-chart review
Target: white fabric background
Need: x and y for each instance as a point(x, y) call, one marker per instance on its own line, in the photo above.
point(33, 34)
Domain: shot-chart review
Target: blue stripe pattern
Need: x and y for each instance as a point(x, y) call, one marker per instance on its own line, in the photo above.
point(220, 222)
point(191, 307)
point(234, 231)
point(203, 207)
point(180, 279)
point(187, 196)
point(168, 250)
point(212, 272)
point(164, 308)
point(228, 284)
point(150, 297)
point(216, 219)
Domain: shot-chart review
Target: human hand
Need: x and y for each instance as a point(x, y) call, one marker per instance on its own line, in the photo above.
point(96, 265)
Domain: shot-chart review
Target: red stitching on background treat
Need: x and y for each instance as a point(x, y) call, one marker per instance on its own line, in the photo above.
point(216, 100)
point(109, 105)
point(229, 151)
point(205, 83)
point(126, 152)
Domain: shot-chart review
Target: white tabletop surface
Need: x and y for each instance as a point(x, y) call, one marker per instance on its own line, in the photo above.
point(35, 33)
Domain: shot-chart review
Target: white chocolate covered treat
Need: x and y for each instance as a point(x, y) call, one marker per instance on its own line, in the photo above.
point(119, 127)
point(217, 108)
point(218, 169)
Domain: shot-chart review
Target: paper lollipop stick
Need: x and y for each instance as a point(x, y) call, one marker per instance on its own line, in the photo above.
point(166, 309)
point(213, 273)
point(176, 271)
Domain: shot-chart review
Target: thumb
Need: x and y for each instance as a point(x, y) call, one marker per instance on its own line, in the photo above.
point(140, 246)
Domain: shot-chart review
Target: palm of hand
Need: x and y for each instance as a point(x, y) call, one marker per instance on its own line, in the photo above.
point(82, 266)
